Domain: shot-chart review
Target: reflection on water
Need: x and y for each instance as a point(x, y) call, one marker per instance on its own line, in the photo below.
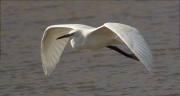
point(101, 72)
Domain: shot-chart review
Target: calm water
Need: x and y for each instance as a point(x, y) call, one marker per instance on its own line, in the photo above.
point(101, 72)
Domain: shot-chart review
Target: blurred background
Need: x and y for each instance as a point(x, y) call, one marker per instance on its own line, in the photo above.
point(101, 72)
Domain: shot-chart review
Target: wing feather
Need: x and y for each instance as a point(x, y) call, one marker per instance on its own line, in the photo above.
point(131, 37)
point(51, 49)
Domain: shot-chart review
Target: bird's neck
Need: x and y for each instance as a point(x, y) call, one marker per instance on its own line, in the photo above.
point(76, 42)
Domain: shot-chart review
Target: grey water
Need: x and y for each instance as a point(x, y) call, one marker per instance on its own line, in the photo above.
point(100, 72)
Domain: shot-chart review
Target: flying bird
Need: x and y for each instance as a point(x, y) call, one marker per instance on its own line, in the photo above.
point(55, 39)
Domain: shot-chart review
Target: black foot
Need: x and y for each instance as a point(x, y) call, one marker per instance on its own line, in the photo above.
point(132, 56)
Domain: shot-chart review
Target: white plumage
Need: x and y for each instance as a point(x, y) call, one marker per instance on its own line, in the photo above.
point(86, 37)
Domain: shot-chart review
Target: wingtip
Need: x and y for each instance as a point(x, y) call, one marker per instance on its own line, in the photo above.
point(46, 73)
point(149, 67)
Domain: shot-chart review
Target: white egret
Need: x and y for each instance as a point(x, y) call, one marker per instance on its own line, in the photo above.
point(85, 37)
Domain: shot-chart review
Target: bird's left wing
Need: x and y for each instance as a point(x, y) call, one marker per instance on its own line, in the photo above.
point(51, 49)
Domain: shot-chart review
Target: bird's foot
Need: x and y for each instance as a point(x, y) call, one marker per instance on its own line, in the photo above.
point(132, 56)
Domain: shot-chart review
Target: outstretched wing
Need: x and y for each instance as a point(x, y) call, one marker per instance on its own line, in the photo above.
point(130, 36)
point(51, 49)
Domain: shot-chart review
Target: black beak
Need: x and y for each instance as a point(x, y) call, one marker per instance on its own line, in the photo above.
point(65, 36)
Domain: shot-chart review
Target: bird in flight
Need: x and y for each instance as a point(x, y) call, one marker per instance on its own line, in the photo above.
point(55, 39)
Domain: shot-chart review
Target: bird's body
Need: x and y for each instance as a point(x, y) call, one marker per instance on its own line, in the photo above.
point(86, 40)
point(85, 37)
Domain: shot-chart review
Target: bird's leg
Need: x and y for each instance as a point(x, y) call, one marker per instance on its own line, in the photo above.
point(132, 56)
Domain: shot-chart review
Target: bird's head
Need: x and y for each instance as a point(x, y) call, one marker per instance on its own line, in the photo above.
point(73, 33)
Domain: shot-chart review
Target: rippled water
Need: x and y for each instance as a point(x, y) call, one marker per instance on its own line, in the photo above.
point(101, 72)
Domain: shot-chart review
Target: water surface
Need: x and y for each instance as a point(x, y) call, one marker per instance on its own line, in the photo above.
point(101, 72)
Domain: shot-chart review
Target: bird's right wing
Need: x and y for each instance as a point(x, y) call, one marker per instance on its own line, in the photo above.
point(134, 41)
point(51, 49)
point(130, 36)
